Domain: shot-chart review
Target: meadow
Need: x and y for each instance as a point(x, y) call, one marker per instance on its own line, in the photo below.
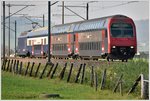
point(16, 86)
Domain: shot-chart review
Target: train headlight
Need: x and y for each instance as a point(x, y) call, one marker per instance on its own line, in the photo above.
point(76, 49)
point(113, 46)
point(69, 49)
point(131, 47)
point(32, 52)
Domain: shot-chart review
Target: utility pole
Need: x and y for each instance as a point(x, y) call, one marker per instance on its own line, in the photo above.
point(43, 20)
point(9, 32)
point(62, 12)
point(3, 30)
point(49, 31)
point(87, 11)
point(15, 35)
point(10, 5)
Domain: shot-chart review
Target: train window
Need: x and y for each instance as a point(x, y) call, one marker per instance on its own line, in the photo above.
point(121, 30)
point(116, 33)
point(37, 47)
point(53, 47)
point(56, 47)
point(83, 46)
point(59, 47)
point(80, 46)
point(93, 46)
point(90, 46)
point(86, 48)
point(104, 22)
point(128, 33)
point(97, 45)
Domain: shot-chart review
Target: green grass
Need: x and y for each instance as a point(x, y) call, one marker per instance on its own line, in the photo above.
point(21, 87)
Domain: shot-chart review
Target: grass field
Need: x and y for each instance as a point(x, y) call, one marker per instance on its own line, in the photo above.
point(21, 87)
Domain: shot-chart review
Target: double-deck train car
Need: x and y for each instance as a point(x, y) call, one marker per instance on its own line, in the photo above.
point(22, 45)
point(37, 42)
point(112, 37)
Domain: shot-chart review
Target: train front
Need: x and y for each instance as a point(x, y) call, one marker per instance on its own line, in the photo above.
point(122, 42)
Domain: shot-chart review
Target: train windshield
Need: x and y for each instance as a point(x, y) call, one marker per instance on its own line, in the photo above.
point(121, 30)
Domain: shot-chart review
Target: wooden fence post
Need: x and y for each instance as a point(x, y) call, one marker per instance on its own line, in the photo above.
point(144, 88)
point(5, 64)
point(43, 71)
point(103, 79)
point(63, 72)
point(69, 75)
point(96, 81)
point(92, 76)
point(117, 84)
point(121, 91)
point(11, 66)
point(8, 65)
point(27, 68)
point(134, 85)
point(32, 69)
point(14, 66)
point(83, 71)
point(54, 71)
point(48, 74)
point(37, 70)
point(20, 71)
point(16, 71)
point(78, 74)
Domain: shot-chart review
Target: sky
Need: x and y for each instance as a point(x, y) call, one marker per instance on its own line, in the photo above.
point(135, 10)
point(138, 10)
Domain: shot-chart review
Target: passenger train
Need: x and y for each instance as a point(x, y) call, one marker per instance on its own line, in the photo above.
point(112, 37)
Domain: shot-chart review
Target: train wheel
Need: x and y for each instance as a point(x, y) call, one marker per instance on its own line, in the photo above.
point(124, 60)
point(112, 60)
point(108, 59)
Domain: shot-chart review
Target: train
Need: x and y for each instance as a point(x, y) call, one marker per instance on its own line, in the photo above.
point(112, 37)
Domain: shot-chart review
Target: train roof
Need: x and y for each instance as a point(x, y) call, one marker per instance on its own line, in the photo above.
point(24, 34)
point(38, 32)
point(80, 26)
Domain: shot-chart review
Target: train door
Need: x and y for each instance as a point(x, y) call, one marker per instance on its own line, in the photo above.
point(69, 45)
point(42, 47)
point(32, 47)
point(104, 44)
point(76, 44)
point(73, 43)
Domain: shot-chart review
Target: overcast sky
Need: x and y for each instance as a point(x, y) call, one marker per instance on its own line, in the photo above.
point(136, 10)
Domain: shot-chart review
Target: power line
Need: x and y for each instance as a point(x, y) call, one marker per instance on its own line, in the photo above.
point(119, 4)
